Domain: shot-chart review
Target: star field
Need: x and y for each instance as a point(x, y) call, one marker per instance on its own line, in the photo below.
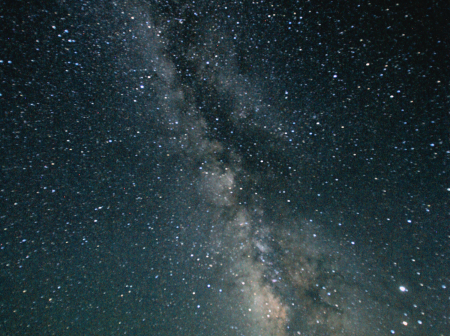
point(224, 168)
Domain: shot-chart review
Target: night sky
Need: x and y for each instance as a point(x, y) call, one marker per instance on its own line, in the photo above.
point(225, 168)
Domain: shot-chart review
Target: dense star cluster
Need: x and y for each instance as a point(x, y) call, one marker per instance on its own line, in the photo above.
point(225, 168)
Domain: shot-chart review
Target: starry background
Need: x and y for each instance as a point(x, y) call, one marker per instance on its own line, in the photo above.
point(224, 168)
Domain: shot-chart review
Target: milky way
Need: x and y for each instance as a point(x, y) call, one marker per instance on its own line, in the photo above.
point(281, 274)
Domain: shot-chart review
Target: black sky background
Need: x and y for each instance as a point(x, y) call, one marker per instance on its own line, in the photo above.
point(353, 125)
